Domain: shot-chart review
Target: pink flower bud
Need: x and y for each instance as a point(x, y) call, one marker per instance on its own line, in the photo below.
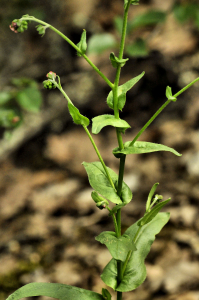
point(51, 75)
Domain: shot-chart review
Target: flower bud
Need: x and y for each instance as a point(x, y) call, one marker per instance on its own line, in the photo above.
point(99, 200)
point(49, 85)
point(18, 25)
point(51, 75)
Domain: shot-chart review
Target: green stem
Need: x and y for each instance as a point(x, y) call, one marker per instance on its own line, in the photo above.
point(121, 175)
point(114, 221)
point(73, 45)
point(119, 138)
point(160, 110)
point(149, 122)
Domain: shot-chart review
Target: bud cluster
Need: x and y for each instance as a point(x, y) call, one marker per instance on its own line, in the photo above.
point(48, 84)
point(18, 25)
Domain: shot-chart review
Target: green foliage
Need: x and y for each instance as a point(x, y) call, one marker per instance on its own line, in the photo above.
point(98, 43)
point(82, 45)
point(150, 196)
point(126, 270)
point(30, 99)
point(108, 120)
point(54, 290)
point(135, 272)
point(169, 94)
point(115, 61)
point(77, 117)
point(137, 48)
point(152, 213)
point(122, 90)
point(187, 11)
point(142, 147)
point(149, 18)
point(100, 183)
point(118, 247)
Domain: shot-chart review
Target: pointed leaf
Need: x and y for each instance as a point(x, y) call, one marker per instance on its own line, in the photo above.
point(150, 196)
point(122, 90)
point(106, 120)
point(82, 45)
point(118, 247)
point(135, 272)
point(142, 147)
point(99, 182)
point(151, 214)
point(77, 117)
point(54, 290)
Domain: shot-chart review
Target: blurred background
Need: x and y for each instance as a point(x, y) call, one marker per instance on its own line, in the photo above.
point(48, 220)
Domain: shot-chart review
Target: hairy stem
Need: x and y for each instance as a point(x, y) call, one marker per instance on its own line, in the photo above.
point(72, 44)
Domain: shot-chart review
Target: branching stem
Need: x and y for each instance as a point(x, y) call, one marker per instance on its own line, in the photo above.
point(30, 18)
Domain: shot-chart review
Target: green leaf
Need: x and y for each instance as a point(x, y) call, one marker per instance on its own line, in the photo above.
point(142, 147)
point(137, 49)
point(122, 90)
point(151, 214)
point(5, 97)
point(82, 45)
point(106, 120)
point(115, 61)
point(149, 18)
point(106, 294)
point(54, 290)
point(30, 99)
point(118, 247)
point(150, 196)
point(98, 43)
point(169, 94)
point(135, 272)
point(100, 183)
point(77, 117)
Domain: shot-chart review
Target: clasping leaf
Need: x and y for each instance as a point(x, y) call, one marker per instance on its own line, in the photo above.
point(100, 183)
point(115, 61)
point(142, 147)
point(135, 272)
point(118, 247)
point(122, 90)
point(106, 120)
